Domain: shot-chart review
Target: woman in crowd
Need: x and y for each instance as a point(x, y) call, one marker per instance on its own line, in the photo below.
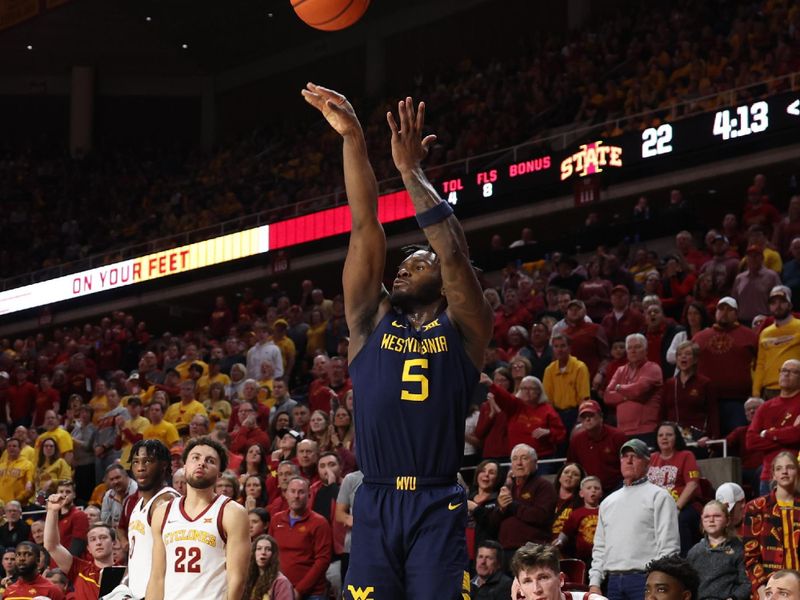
point(568, 484)
point(695, 319)
point(254, 463)
point(319, 430)
point(770, 523)
point(595, 292)
point(227, 485)
point(719, 557)
point(343, 430)
point(480, 502)
point(688, 397)
point(704, 300)
point(233, 391)
point(218, 407)
point(675, 469)
point(283, 420)
point(286, 447)
point(532, 419)
point(258, 522)
point(50, 469)
point(492, 427)
point(517, 343)
point(254, 493)
point(264, 579)
point(520, 367)
point(315, 335)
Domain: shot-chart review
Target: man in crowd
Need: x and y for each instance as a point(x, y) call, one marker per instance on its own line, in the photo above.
point(775, 425)
point(283, 402)
point(727, 352)
point(659, 331)
point(30, 583)
point(16, 474)
point(199, 426)
point(248, 432)
point(304, 538)
point(622, 320)
point(490, 583)
point(15, 529)
point(159, 429)
point(300, 417)
point(264, 350)
point(307, 457)
point(73, 523)
point(537, 575)
point(120, 488)
point(510, 313)
point(723, 267)
point(130, 430)
point(671, 578)
point(83, 574)
point(526, 504)
point(639, 516)
point(324, 494)
point(777, 343)
point(588, 341)
point(181, 413)
point(752, 286)
point(595, 446)
point(784, 584)
point(107, 441)
point(566, 381)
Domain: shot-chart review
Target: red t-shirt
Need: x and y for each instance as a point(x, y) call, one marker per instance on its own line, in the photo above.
point(85, 578)
point(44, 402)
point(22, 400)
point(74, 524)
point(27, 590)
point(579, 529)
point(599, 457)
point(673, 473)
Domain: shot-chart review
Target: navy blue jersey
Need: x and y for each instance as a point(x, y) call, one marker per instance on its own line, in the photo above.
point(411, 390)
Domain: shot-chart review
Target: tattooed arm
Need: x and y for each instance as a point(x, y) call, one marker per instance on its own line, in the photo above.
point(466, 305)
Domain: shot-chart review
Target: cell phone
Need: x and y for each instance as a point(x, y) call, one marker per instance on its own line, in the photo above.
point(110, 577)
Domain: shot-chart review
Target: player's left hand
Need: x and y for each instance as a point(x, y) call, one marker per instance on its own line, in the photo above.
point(334, 107)
point(409, 148)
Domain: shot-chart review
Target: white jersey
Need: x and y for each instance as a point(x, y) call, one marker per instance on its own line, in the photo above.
point(195, 551)
point(140, 543)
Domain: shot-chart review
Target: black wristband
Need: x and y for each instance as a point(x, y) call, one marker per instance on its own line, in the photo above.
point(434, 215)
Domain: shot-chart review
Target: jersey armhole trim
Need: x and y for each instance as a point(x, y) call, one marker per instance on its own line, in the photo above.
point(220, 514)
point(166, 514)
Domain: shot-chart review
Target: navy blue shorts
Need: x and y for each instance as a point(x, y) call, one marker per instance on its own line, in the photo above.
point(408, 542)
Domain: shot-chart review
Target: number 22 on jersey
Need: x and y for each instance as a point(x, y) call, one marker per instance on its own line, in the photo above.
point(187, 560)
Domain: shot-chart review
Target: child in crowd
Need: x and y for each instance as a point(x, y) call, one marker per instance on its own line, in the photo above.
point(618, 358)
point(577, 537)
point(719, 557)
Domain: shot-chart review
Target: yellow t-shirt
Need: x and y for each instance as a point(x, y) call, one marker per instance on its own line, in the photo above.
point(201, 390)
point(99, 405)
point(287, 348)
point(61, 436)
point(164, 431)
point(137, 425)
point(183, 368)
point(179, 414)
point(16, 480)
point(48, 476)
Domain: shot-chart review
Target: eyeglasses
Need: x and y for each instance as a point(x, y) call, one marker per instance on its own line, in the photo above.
point(790, 371)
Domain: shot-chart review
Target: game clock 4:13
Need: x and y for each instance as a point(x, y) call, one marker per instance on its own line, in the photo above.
point(741, 121)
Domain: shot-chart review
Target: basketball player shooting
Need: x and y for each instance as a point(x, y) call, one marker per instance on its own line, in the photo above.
point(201, 542)
point(414, 356)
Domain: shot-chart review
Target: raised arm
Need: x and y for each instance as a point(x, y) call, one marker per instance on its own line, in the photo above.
point(466, 305)
point(365, 298)
point(52, 539)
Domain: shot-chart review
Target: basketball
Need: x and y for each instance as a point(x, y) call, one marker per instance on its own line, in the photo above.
point(330, 15)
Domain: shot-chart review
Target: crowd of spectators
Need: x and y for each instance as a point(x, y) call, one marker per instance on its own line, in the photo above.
point(639, 59)
point(603, 373)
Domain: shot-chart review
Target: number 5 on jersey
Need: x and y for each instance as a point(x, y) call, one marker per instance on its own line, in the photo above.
point(417, 378)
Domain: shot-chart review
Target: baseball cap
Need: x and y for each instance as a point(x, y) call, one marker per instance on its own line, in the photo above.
point(728, 301)
point(719, 237)
point(781, 290)
point(283, 322)
point(578, 303)
point(638, 446)
point(729, 494)
point(133, 375)
point(589, 406)
point(295, 434)
point(176, 451)
point(4, 374)
point(620, 288)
